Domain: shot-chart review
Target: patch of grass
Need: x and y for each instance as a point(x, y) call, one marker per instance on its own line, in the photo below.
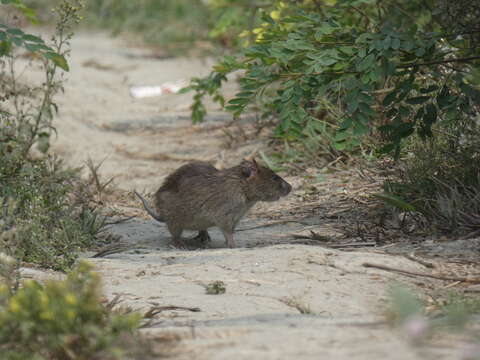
point(46, 211)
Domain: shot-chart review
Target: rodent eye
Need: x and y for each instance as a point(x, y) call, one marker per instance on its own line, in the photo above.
point(275, 177)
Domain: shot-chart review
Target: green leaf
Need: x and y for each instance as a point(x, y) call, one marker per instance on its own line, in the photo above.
point(366, 109)
point(395, 201)
point(17, 41)
point(325, 29)
point(340, 145)
point(386, 43)
point(430, 116)
point(58, 60)
point(417, 100)
point(396, 43)
point(430, 89)
point(390, 98)
point(366, 63)
point(348, 50)
point(15, 31)
point(360, 129)
point(33, 38)
point(5, 47)
point(238, 101)
point(244, 94)
point(341, 135)
point(403, 130)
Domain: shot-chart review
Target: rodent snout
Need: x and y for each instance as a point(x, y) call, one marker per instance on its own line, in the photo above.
point(286, 188)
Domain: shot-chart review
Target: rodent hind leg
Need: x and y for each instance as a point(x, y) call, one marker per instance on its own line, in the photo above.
point(176, 236)
point(202, 237)
point(228, 234)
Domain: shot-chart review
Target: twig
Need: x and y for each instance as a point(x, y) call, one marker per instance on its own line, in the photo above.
point(158, 309)
point(119, 221)
point(455, 283)
point(109, 250)
point(333, 162)
point(313, 236)
point(470, 235)
point(420, 261)
point(413, 273)
point(273, 223)
point(348, 245)
point(466, 59)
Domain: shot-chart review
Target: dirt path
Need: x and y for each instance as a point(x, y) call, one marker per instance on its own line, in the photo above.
point(282, 301)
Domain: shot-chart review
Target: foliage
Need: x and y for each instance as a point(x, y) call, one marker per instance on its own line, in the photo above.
point(26, 117)
point(46, 212)
point(354, 67)
point(63, 320)
point(45, 217)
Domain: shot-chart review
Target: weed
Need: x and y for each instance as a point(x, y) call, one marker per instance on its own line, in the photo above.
point(63, 320)
point(215, 288)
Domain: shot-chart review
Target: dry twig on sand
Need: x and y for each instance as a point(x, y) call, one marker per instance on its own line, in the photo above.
point(474, 280)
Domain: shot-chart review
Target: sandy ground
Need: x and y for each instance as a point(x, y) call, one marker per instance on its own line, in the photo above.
point(282, 300)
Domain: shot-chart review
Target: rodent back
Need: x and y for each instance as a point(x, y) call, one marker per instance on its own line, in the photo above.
point(173, 181)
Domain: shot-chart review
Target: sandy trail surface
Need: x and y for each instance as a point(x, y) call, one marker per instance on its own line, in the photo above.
point(282, 300)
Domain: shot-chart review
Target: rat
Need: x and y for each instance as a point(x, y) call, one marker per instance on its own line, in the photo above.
point(198, 196)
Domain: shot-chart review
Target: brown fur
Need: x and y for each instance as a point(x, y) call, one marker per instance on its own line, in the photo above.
point(197, 196)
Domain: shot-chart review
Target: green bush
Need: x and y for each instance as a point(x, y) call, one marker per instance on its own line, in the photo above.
point(353, 68)
point(63, 320)
point(48, 210)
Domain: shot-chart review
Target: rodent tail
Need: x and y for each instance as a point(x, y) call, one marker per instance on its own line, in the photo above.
point(152, 213)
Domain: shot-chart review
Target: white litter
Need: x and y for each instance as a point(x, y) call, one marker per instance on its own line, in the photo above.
point(157, 90)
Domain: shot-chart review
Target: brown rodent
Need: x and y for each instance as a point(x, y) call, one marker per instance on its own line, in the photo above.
point(197, 196)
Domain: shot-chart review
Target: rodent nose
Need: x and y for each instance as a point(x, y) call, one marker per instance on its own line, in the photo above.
point(286, 187)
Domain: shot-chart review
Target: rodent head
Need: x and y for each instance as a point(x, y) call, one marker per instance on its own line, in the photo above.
point(263, 184)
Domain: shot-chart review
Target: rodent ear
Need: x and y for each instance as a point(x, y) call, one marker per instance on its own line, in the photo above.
point(249, 168)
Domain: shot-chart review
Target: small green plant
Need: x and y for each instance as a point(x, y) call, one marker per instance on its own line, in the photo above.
point(63, 320)
point(215, 288)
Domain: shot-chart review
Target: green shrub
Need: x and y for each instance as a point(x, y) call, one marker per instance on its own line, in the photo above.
point(63, 320)
point(352, 68)
point(48, 210)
